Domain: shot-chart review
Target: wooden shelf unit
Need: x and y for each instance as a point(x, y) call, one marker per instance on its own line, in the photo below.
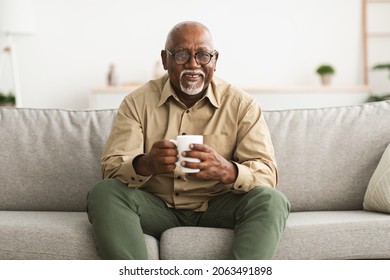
point(366, 35)
point(270, 98)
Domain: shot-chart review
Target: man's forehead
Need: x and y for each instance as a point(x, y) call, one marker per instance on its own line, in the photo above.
point(190, 48)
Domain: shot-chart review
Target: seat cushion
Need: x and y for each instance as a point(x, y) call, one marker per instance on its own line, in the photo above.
point(196, 243)
point(336, 235)
point(308, 235)
point(52, 235)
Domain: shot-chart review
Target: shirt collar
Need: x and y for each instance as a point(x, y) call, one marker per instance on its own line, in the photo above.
point(167, 91)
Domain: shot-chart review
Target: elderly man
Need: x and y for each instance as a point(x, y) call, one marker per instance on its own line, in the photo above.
point(142, 190)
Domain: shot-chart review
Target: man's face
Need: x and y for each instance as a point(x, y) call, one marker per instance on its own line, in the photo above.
point(190, 78)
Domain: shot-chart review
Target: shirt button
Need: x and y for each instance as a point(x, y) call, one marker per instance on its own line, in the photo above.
point(178, 178)
point(183, 133)
point(187, 111)
point(239, 187)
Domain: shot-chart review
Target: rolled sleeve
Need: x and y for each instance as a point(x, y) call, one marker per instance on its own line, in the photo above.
point(254, 154)
point(124, 144)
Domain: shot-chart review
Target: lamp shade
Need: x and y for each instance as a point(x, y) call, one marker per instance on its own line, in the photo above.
point(17, 17)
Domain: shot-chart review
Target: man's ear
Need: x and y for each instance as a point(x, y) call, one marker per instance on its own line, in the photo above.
point(164, 59)
point(216, 55)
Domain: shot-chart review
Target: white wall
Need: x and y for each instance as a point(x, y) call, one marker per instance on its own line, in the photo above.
point(262, 43)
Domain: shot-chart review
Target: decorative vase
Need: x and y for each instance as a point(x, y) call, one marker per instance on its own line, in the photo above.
point(326, 79)
point(112, 76)
point(7, 105)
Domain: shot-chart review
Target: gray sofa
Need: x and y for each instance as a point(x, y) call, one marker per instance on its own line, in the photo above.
point(50, 158)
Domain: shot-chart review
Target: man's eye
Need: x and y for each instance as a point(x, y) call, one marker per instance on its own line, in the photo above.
point(203, 56)
point(182, 55)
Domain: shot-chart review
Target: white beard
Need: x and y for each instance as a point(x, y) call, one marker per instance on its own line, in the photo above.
point(192, 88)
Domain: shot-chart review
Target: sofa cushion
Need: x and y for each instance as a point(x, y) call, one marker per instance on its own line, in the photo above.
point(335, 235)
point(195, 243)
point(52, 235)
point(308, 235)
point(50, 158)
point(46, 235)
point(377, 197)
point(326, 157)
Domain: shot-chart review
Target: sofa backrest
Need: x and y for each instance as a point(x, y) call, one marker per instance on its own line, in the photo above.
point(50, 158)
point(326, 157)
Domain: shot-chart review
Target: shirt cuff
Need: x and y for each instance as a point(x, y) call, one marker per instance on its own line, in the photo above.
point(134, 180)
point(244, 179)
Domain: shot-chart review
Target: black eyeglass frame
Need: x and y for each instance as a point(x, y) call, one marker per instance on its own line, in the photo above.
point(173, 54)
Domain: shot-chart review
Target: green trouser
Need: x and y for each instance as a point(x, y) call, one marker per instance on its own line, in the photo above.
point(120, 215)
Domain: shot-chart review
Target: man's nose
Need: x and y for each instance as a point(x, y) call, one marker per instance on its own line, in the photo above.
point(192, 63)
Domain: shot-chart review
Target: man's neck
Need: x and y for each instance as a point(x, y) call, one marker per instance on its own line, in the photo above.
point(190, 100)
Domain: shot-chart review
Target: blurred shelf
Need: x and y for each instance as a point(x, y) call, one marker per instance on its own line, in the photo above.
point(269, 98)
point(309, 89)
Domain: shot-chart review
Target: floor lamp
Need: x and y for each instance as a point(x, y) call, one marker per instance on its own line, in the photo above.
point(16, 18)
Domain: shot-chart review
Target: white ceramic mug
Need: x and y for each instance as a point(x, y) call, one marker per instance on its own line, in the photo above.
point(182, 143)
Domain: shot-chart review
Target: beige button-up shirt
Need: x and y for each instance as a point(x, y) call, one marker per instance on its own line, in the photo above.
point(230, 121)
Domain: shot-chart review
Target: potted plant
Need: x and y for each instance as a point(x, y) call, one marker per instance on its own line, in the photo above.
point(382, 66)
point(385, 96)
point(326, 72)
point(7, 100)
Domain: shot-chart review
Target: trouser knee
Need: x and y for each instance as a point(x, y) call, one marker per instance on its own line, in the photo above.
point(270, 197)
point(105, 195)
point(104, 189)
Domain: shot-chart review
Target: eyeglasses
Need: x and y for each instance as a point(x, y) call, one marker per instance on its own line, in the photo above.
point(182, 57)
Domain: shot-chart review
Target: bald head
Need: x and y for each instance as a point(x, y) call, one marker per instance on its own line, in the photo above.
point(189, 29)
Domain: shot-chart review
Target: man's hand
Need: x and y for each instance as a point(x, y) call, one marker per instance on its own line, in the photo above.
point(212, 165)
point(161, 158)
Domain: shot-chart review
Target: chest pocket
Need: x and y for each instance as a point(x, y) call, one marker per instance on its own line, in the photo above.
point(223, 144)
